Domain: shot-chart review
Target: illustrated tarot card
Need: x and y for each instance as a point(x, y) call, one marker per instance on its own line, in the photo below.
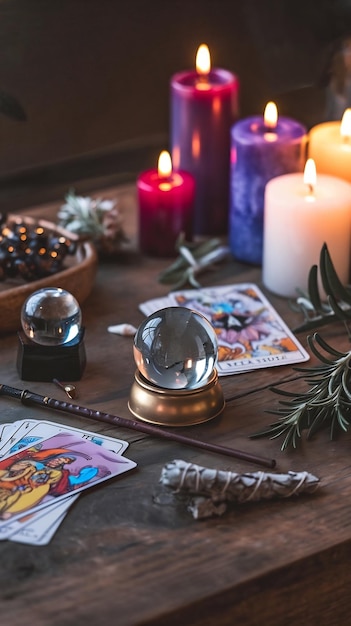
point(38, 528)
point(26, 432)
point(250, 333)
point(52, 469)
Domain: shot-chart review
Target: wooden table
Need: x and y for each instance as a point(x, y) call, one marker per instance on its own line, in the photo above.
point(123, 556)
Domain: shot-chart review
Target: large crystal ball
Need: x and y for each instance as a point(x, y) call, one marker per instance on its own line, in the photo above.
point(176, 348)
point(51, 317)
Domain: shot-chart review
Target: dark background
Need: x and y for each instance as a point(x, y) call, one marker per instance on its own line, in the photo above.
point(93, 75)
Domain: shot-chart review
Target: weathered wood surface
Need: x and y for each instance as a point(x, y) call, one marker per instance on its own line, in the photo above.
point(124, 555)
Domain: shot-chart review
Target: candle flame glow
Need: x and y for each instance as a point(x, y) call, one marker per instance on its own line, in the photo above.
point(345, 126)
point(164, 164)
point(270, 115)
point(203, 60)
point(195, 144)
point(310, 175)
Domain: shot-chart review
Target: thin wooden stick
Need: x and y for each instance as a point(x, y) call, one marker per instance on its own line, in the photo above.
point(28, 397)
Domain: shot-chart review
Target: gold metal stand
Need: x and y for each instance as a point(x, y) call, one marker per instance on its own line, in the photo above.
point(170, 407)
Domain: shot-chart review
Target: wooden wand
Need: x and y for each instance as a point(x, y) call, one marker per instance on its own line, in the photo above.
point(28, 397)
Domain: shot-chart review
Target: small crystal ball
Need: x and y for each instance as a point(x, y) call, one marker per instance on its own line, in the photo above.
point(176, 348)
point(51, 317)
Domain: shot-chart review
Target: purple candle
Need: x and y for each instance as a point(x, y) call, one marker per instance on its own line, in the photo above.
point(204, 105)
point(261, 148)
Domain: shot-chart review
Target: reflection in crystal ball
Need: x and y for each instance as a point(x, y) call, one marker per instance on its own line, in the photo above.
point(51, 317)
point(176, 348)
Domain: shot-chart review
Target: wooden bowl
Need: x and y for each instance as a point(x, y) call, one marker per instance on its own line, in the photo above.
point(77, 277)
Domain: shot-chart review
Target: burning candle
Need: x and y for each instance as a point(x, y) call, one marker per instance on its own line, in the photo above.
point(262, 148)
point(301, 214)
point(166, 201)
point(204, 105)
point(330, 147)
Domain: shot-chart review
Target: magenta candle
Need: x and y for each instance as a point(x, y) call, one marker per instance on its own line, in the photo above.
point(166, 203)
point(204, 105)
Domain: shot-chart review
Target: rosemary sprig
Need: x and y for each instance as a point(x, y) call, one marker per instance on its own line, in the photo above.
point(338, 305)
point(327, 404)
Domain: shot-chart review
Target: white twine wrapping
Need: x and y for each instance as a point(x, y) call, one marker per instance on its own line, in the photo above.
point(211, 487)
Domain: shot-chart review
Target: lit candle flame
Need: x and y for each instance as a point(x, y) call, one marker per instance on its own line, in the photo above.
point(164, 164)
point(270, 115)
point(203, 60)
point(310, 175)
point(345, 126)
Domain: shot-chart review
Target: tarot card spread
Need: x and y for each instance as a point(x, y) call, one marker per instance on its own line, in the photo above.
point(43, 468)
point(250, 333)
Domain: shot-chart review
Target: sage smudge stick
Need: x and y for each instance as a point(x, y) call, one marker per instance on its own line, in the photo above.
point(211, 489)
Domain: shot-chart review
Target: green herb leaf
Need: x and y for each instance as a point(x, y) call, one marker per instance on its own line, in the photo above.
point(326, 404)
point(316, 312)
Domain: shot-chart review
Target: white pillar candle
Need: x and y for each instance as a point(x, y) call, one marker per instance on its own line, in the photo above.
point(299, 219)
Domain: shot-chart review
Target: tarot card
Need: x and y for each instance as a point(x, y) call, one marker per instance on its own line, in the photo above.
point(52, 469)
point(250, 333)
point(6, 431)
point(156, 304)
point(41, 531)
point(38, 528)
point(35, 430)
point(18, 430)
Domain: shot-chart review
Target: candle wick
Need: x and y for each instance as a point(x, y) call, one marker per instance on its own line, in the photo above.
point(202, 82)
point(310, 189)
point(202, 78)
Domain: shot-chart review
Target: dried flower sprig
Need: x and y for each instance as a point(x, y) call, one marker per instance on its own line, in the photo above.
point(193, 259)
point(95, 219)
point(327, 404)
point(338, 305)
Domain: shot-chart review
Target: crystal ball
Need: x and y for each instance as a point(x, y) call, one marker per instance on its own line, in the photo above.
point(176, 348)
point(51, 317)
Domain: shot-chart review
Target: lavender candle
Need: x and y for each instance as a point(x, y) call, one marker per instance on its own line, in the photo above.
point(261, 148)
point(204, 105)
